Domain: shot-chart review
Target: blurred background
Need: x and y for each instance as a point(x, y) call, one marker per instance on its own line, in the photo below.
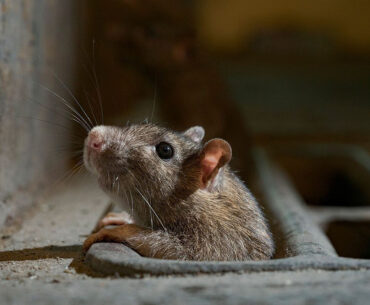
point(275, 74)
point(293, 70)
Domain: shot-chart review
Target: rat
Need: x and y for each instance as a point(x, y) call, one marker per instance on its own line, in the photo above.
point(185, 202)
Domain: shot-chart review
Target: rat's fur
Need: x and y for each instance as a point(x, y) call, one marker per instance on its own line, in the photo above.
point(175, 217)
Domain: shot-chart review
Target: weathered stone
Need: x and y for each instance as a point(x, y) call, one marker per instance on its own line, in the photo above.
point(30, 131)
point(309, 287)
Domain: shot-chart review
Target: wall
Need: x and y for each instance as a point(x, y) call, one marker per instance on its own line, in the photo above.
point(36, 41)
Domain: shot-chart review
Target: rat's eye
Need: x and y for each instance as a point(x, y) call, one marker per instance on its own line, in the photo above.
point(164, 150)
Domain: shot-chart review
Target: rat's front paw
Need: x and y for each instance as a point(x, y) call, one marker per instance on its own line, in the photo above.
point(118, 234)
point(92, 239)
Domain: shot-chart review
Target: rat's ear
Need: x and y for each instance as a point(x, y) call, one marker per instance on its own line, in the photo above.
point(195, 133)
point(215, 154)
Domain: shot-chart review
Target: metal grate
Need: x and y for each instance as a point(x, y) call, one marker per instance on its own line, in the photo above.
point(308, 236)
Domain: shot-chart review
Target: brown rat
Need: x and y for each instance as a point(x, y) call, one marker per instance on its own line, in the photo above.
point(185, 201)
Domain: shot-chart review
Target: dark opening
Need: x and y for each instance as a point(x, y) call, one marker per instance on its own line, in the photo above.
point(350, 238)
point(329, 181)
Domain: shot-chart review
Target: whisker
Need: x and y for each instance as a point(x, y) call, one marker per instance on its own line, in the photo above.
point(92, 82)
point(114, 182)
point(74, 98)
point(43, 121)
point(132, 204)
point(64, 150)
point(74, 118)
point(65, 102)
point(150, 212)
point(126, 196)
point(97, 84)
point(154, 99)
point(68, 174)
point(90, 107)
point(91, 73)
point(147, 202)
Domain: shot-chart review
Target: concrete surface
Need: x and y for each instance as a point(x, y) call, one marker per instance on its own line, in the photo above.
point(309, 287)
point(48, 242)
point(41, 263)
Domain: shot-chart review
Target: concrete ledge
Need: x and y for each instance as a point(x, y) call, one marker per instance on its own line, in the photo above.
point(113, 259)
point(301, 233)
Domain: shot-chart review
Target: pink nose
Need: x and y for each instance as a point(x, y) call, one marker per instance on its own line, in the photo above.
point(95, 141)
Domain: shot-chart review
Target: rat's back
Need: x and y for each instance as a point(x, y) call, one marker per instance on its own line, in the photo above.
point(226, 224)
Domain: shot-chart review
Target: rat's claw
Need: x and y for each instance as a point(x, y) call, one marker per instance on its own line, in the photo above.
point(114, 219)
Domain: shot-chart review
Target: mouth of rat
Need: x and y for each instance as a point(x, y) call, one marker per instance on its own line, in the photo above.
point(102, 166)
point(111, 182)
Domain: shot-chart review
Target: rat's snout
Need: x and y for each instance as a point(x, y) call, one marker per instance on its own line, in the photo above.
point(95, 142)
point(95, 139)
point(103, 152)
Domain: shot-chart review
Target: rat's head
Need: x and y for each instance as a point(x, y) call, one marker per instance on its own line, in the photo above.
point(154, 161)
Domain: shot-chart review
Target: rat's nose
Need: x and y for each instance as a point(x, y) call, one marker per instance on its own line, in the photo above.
point(95, 140)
